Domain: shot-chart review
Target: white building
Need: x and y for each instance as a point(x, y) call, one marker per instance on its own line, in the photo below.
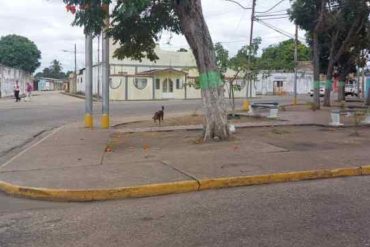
point(8, 76)
point(282, 83)
point(173, 76)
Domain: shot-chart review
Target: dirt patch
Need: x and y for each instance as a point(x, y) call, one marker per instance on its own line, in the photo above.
point(188, 120)
point(254, 151)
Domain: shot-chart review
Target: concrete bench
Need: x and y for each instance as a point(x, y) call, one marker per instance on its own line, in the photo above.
point(272, 106)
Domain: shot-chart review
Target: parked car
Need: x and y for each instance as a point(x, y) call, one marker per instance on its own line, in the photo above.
point(322, 92)
point(351, 88)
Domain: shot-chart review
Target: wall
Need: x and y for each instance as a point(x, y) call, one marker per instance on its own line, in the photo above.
point(117, 87)
point(124, 72)
point(265, 86)
point(140, 94)
point(8, 76)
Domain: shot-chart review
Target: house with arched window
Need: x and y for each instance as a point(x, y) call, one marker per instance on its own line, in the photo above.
point(173, 76)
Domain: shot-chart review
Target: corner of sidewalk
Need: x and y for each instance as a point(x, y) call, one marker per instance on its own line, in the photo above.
point(67, 165)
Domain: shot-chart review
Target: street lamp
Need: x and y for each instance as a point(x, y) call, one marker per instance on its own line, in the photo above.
point(73, 89)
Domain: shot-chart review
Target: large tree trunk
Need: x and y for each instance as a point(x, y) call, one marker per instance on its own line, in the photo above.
point(195, 29)
point(320, 15)
point(368, 97)
point(316, 70)
point(329, 75)
point(328, 88)
point(341, 91)
point(341, 87)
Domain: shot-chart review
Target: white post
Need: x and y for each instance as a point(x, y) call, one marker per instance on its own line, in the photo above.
point(335, 118)
point(88, 119)
point(105, 72)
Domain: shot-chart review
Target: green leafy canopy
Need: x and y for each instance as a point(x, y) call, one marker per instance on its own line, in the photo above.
point(135, 24)
point(281, 56)
point(19, 52)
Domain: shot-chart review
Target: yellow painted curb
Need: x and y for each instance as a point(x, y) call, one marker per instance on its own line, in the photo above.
point(365, 170)
point(227, 182)
point(176, 187)
point(99, 194)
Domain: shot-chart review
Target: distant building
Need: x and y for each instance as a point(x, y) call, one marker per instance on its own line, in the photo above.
point(8, 76)
point(174, 75)
point(49, 84)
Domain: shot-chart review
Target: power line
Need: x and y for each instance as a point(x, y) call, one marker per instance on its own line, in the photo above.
point(278, 30)
point(232, 41)
point(271, 7)
point(265, 15)
point(240, 5)
point(278, 11)
point(274, 18)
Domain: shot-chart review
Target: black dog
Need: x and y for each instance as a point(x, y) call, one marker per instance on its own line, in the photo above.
point(159, 116)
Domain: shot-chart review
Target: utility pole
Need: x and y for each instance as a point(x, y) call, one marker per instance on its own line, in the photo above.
point(248, 86)
point(105, 71)
point(74, 88)
point(98, 89)
point(252, 22)
point(295, 64)
point(253, 17)
point(88, 119)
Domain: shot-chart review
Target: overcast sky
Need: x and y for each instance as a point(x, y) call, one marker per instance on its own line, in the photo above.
point(47, 23)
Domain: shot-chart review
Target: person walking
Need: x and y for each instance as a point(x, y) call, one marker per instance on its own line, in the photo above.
point(28, 91)
point(16, 91)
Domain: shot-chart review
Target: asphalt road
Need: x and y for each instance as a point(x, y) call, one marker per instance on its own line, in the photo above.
point(333, 212)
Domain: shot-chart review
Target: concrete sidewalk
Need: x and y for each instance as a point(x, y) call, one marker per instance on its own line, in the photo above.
point(75, 158)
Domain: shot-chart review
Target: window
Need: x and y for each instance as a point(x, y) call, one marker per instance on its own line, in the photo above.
point(167, 86)
point(279, 83)
point(178, 84)
point(140, 83)
point(164, 88)
point(157, 84)
point(170, 86)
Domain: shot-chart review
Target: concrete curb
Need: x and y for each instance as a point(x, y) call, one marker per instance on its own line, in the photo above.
point(196, 127)
point(78, 96)
point(176, 187)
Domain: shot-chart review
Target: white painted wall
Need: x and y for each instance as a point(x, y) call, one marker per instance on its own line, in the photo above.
point(181, 61)
point(265, 86)
point(8, 76)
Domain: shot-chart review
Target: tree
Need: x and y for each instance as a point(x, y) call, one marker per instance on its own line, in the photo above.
point(310, 16)
point(246, 61)
point(246, 64)
point(222, 58)
point(281, 56)
point(343, 36)
point(136, 25)
point(346, 37)
point(53, 71)
point(223, 63)
point(19, 52)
